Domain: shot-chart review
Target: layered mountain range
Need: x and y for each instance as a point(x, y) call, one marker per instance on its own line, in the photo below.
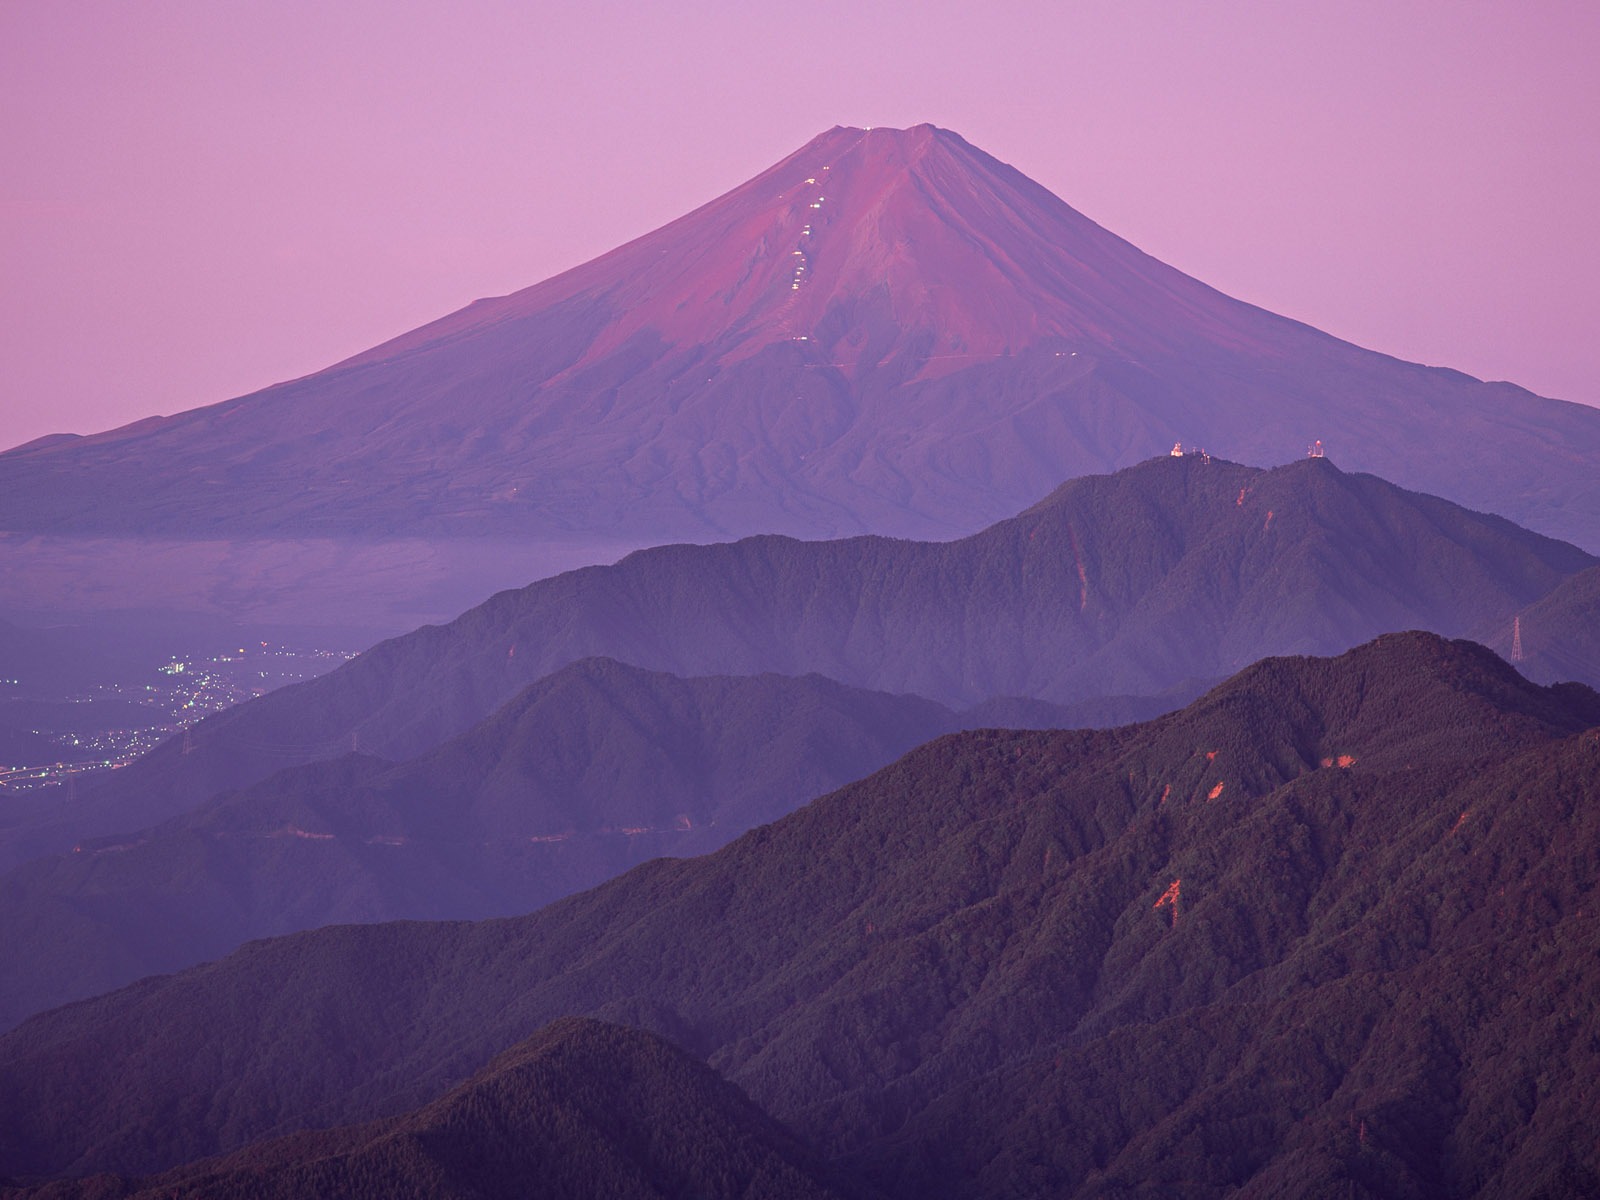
point(1327, 930)
point(888, 331)
point(582, 775)
point(1143, 583)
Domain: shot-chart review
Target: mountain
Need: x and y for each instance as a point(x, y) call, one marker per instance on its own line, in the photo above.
point(1560, 632)
point(888, 331)
point(1327, 930)
point(582, 775)
point(1133, 584)
point(581, 1109)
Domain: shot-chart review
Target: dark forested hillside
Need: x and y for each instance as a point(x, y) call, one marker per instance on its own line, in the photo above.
point(1327, 930)
point(1177, 570)
point(580, 1110)
point(582, 775)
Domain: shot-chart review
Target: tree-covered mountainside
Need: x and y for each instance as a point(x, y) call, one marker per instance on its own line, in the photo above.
point(1327, 930)
point(582, 775)
point(1177, 570)
point(580, 1110)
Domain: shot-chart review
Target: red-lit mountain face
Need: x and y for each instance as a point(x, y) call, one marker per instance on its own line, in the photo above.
point(889, 330)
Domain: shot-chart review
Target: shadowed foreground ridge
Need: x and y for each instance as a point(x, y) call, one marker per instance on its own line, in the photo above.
point(1328, 930)
point(580, 1110)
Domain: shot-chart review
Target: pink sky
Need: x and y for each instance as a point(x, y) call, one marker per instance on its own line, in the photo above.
point(201, 199)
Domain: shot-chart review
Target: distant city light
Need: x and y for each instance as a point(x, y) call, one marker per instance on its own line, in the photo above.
point(198, 688)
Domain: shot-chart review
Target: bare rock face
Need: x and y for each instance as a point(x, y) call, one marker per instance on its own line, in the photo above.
point(888, 331)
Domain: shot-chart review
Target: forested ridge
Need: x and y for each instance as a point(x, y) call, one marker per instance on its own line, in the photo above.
point(1328, 929)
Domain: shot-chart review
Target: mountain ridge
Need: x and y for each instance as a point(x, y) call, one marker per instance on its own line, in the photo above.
point(580, 776)
point(917, 159)
point(1009, 964)
point(1177, 570)
point(888, 331)
point(583, 1107)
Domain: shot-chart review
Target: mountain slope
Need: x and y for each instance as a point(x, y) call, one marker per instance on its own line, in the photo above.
point(888, 331)
point(1560, 632)
point(582, 775)
point(579, 1110)
point(1322, 931)
point(1177, 570)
